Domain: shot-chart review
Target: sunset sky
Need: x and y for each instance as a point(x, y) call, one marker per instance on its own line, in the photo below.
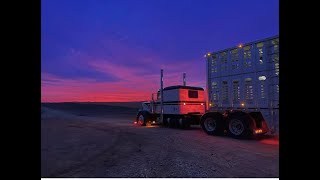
point(113, 50)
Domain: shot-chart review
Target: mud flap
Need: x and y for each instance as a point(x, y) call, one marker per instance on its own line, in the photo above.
point(260, 124)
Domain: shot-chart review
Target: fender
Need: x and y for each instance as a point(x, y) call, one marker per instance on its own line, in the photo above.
point(211, 114)
point(142, 112)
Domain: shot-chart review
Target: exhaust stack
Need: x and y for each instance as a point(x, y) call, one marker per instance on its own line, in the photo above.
point(184, 79)
point(161, 94)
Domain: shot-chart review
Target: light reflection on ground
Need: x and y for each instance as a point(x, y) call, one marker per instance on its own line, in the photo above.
point(270, 141)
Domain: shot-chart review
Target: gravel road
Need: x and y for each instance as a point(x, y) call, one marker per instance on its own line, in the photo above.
point(80, 144)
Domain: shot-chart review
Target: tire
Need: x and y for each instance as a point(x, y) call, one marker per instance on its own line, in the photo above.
point(184, 123)
point(181, 122)
point(169, 122)
point(174, 123)
point(239, 127)
point(142, 118)
point(212, 125)
point(165, 122)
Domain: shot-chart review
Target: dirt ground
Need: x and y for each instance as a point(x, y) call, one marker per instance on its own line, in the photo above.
point(87, 140)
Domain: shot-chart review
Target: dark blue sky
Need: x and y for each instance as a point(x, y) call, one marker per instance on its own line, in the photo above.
point(112, 50)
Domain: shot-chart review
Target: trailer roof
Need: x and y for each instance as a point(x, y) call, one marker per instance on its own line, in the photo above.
point(245, 44)
point(183, 87)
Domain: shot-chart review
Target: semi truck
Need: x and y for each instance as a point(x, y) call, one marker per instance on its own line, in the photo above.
point(174, 106)
point(241, 97)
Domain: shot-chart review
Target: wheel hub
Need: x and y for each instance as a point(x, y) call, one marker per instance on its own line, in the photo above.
point(210, 124)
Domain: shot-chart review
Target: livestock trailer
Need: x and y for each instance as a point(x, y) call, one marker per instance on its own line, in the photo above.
point(243, 80)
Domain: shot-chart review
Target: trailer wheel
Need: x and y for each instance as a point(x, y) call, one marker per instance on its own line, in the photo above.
point(238, 128)
point(212, 126)
point(142, 119)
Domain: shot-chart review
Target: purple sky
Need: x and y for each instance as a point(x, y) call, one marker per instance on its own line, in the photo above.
point(113, 50)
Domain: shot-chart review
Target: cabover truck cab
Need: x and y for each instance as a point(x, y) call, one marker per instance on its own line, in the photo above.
point(243, 89)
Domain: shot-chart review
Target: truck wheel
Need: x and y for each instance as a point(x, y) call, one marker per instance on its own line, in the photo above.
point(142, 119)
point(237, 127)
point(181, 123)
point(169, 122)
point(173, 123)
point(166, 122)
point(212, 126)
point(184, 123)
